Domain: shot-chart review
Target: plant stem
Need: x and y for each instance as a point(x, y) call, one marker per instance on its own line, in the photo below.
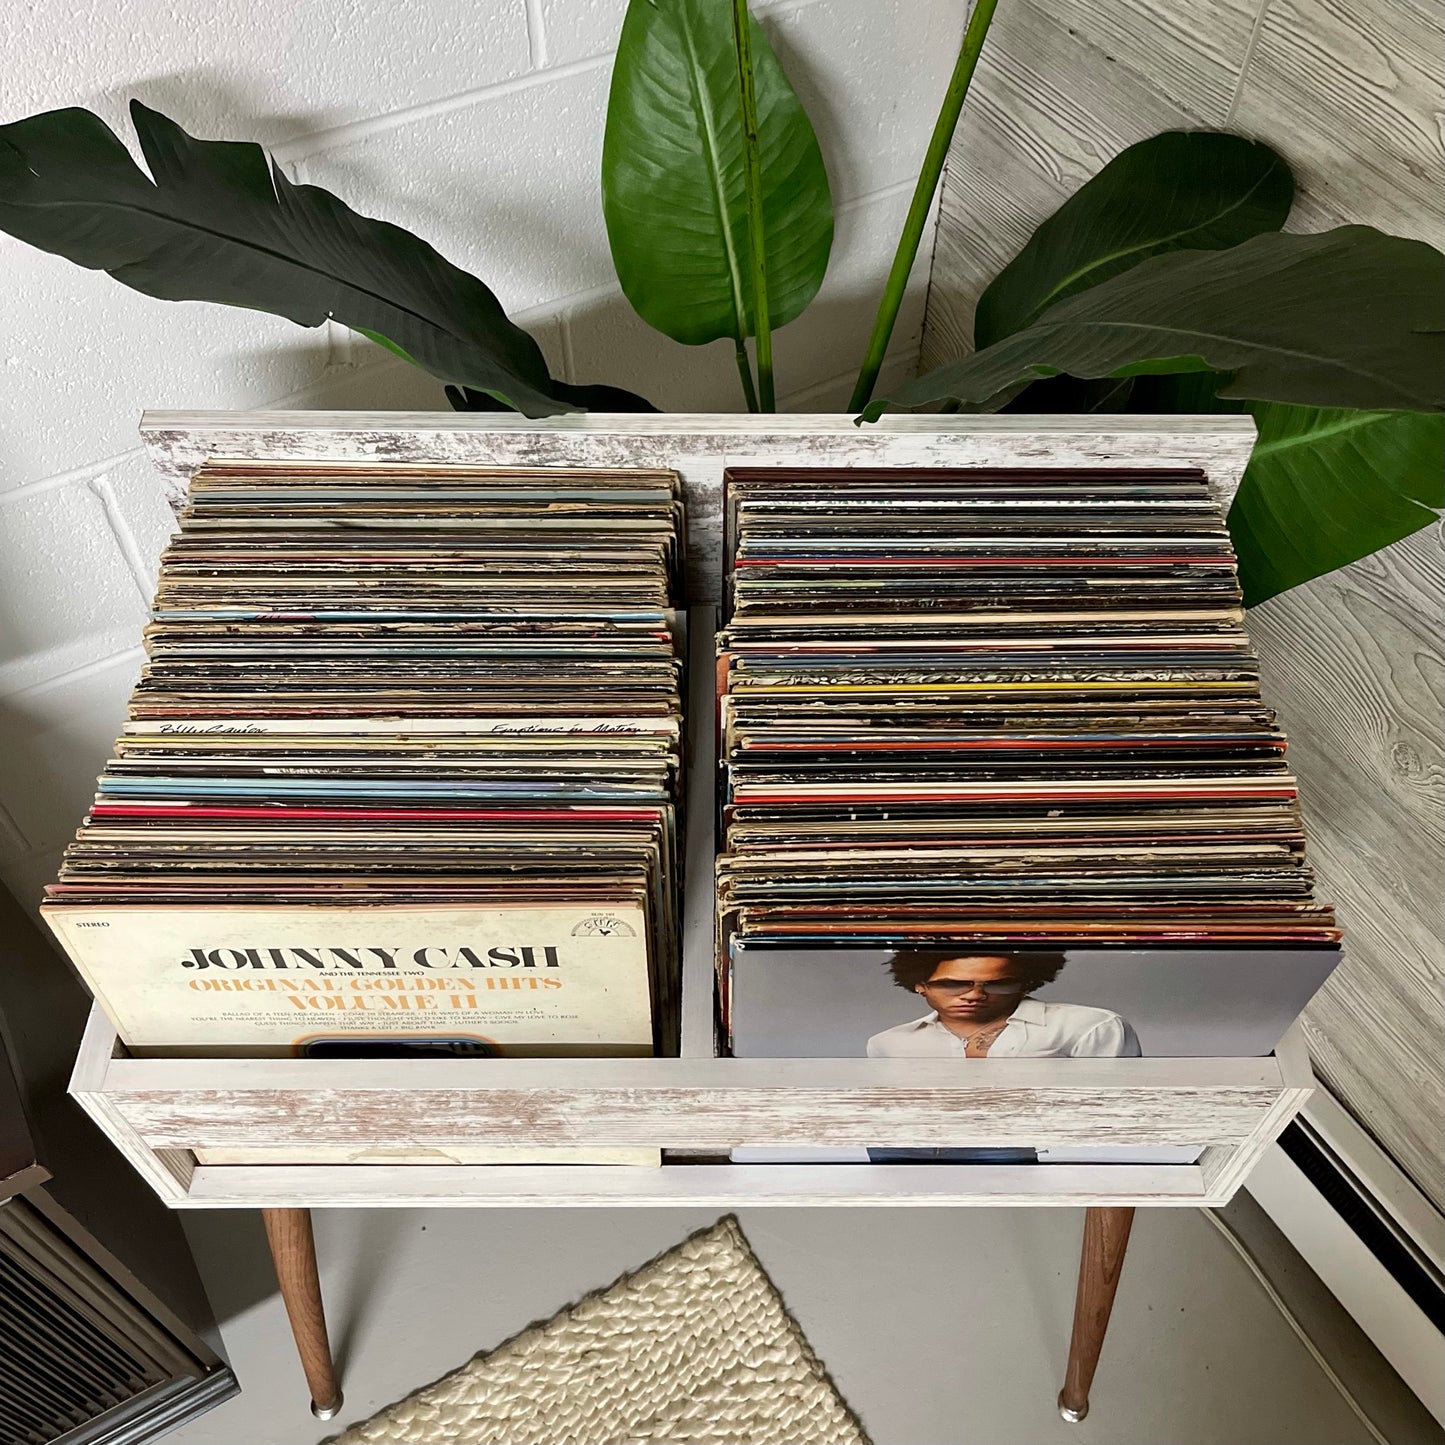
point(746, 372)
point(753, 177)
point(947, 123)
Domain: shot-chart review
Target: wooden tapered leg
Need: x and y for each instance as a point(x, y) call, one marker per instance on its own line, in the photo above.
point(1106, 1236)
point(293, 1251)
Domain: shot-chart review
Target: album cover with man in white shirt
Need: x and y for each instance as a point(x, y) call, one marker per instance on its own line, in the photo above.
point(976, 1002)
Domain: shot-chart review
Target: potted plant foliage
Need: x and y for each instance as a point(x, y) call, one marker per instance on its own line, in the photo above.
point(1166, 283)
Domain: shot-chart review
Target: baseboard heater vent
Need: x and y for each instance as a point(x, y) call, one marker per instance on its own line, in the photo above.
point(1371, 1225)
point(81, 1361)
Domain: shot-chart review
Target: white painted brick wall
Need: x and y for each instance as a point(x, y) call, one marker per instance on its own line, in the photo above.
point(477, 125)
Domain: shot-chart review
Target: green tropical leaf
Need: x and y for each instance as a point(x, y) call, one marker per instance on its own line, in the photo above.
point(589, 398)
point(1179, 191)
point(673, 186)
point(1188, 391)
point(1069, 396)
point(219, 222)
point(1347, 318)
point(386, 343)
point(1325, 487)
point(463, 398)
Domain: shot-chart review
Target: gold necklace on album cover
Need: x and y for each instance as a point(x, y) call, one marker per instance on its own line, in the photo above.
point(403, 772)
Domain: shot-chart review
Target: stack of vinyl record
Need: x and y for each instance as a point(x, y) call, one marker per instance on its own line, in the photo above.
point(978, 710)
point(400, 771)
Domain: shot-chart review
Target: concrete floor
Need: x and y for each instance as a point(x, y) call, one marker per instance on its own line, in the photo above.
point(940, 1327)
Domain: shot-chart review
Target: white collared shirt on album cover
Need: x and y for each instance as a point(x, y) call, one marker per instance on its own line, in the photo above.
point(1034, 1030)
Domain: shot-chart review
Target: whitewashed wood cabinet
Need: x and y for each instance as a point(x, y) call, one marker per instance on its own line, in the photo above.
point(696, 1106)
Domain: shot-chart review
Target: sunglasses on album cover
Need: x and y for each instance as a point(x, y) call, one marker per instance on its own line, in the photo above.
point(993, 986)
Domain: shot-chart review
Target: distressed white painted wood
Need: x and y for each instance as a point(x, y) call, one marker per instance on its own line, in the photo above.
point(1225, 1169)
point(1292, 1056)
point(700, 447)
point(166, 1173)
point(709, 1104)
point(720, 1186)
point(196, 1093)
point(815, 1114)
point(159, 1110)
point(121, 1073)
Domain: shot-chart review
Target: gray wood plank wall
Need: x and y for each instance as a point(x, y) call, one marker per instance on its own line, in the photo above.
point(1349, 91)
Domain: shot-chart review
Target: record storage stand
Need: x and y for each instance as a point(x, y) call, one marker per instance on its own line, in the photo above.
point(698, 1106)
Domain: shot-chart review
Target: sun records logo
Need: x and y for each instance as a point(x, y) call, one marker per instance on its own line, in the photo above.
point(603, 925)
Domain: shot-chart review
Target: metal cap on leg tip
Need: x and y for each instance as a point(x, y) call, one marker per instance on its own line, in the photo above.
point(1070, 1414)
point(328, 1412)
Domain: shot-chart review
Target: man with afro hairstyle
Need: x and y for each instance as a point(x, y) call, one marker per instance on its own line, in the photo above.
point(981, 1006)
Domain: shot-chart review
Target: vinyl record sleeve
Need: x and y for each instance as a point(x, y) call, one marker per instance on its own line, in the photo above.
point(842, 1002)
point(258, 980)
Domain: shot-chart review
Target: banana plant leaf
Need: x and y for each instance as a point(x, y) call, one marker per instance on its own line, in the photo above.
point(1346, 318)
point(590, 398)
point(1179, 191)
point(219, 222)
point(1325, 487)
point(673, 190)
point(1069, 396)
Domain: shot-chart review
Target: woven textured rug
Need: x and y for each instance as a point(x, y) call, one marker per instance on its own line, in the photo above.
point(694, 1347)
